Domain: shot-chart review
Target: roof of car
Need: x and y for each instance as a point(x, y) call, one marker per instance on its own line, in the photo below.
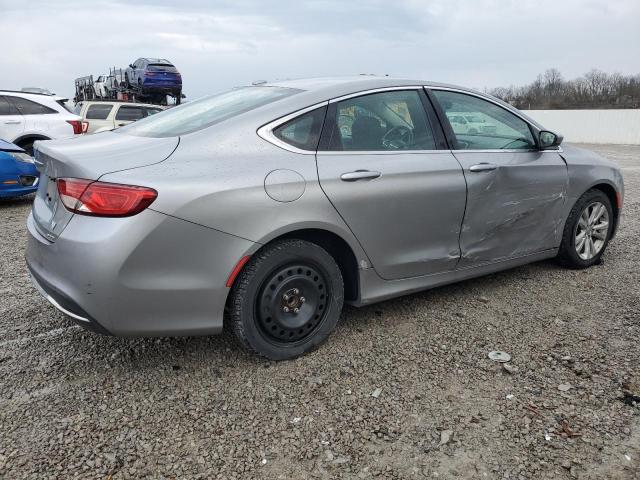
point(353, 83)
point(28, 93)
point(157, 60)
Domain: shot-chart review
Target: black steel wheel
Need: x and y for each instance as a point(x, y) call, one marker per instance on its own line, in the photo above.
point(287, 299)
point(292, 303)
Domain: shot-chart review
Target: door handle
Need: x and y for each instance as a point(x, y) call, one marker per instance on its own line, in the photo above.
point(12, 122)
point(483, 167)
point(359, 175)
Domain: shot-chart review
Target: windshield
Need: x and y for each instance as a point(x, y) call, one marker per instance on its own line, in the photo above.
point(194, 116)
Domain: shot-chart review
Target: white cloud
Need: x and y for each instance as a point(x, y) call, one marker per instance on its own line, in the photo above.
point(220, 44)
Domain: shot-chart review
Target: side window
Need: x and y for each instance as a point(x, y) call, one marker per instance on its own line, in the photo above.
point(7, 108)
point(394, 120)
point(27, 107)
point(152, 111)
point(98, 112)
point(481, 125)
point(302, 132)
point(129, 114)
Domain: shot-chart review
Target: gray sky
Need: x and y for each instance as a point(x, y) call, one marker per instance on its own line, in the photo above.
point(220, 44)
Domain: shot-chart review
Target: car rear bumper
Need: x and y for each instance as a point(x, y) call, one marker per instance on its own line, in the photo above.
point(148, 275)
point(161, 85)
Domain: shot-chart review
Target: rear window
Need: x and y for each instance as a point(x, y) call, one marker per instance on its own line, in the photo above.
point(98, 112)
point(155, 67)
point(193, 116)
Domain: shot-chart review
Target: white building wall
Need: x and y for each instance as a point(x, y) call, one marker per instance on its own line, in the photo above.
point(592, 126)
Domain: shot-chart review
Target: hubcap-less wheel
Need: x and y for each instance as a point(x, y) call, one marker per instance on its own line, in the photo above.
point(591, 230)
point(292, 303)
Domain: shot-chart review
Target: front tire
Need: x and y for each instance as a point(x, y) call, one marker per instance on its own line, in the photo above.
point(287, 299)
point(587, 231)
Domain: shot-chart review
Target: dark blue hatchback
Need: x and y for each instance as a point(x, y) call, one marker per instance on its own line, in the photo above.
point(18, 173)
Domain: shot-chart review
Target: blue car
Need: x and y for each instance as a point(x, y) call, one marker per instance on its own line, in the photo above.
point(18, 173)
point(154, 75)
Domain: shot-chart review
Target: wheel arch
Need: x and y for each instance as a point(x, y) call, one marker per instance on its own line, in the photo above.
point(336, 245)
point(612, 194)
point(30, 136)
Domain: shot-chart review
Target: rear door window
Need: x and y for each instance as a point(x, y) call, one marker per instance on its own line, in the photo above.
point(130, 114)
point(7, 108)
point(27, 107)
point(385, 121)
point(98, 112)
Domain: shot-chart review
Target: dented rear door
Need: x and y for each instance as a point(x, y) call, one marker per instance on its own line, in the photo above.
point(514, 209)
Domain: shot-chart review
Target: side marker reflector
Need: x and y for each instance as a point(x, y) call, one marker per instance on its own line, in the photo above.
point(236, 270)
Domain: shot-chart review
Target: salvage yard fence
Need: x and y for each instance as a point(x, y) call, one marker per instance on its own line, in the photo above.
point(592, 126)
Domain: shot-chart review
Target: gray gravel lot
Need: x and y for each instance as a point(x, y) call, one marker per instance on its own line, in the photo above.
point(74, 404)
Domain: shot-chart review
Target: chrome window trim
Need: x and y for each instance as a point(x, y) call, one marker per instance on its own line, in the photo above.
point(380, 152)
point(510, 150)
point(375, 90)
point(266, 131)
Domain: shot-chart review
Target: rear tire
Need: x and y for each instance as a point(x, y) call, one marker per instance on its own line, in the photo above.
point(287, 299)
point(587, 231)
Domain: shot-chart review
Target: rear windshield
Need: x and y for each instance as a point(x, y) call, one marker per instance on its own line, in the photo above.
point(159, 67)
point(193, 116)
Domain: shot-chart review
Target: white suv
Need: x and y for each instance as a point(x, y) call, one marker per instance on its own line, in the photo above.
point(27, 117)
point(100, 116)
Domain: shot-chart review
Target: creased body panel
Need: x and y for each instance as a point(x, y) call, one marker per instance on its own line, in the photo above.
point(514, 210)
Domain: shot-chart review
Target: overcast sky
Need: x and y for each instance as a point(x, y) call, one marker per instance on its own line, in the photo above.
point(220, 44)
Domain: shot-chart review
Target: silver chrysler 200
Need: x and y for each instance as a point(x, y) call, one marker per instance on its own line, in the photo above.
point(269, 206)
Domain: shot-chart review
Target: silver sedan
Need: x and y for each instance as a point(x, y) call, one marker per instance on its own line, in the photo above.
point(267, 207)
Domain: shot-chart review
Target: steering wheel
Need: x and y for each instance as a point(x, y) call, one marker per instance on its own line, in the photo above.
point(398, 138)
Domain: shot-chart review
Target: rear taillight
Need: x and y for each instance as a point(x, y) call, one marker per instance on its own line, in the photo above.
point(77, 126)
point(85, 127)
point(101, 199)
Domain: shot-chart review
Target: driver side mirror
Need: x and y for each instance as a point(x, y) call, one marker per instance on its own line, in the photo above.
point(549, 140)
point(131, 65)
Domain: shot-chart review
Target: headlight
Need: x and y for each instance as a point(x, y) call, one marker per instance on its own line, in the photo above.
point(22, 157)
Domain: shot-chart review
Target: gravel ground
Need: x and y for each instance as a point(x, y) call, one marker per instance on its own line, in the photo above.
point(402, 389)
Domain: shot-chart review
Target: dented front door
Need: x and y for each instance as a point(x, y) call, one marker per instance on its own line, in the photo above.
point(514, 204)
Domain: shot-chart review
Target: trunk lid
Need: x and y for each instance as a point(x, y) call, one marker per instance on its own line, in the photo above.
point(87, 157)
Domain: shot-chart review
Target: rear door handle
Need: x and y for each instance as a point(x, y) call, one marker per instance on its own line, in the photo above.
point(483, 167)
point(359, 175)
point(12, 122)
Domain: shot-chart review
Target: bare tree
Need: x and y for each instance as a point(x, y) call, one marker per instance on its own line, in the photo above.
point(595, 89)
